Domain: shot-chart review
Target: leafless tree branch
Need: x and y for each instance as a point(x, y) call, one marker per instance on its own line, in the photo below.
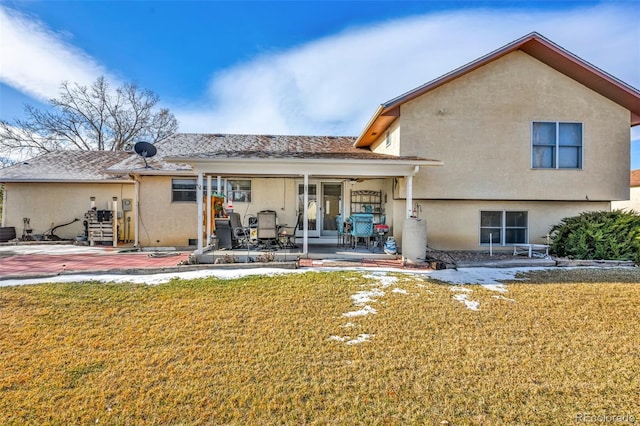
point(89, 118)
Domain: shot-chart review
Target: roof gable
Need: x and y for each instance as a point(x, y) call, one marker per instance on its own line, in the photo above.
point(537, 47)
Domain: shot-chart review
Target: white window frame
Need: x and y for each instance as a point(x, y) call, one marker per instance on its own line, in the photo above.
point(388, 139)
point(503, 228)
point(173, 191)
point(556, 160)
point(214, 184)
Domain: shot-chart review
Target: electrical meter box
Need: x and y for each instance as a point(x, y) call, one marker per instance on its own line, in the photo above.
point(127, 204)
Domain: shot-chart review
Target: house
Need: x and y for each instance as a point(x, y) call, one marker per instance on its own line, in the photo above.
point(633, 203)
point(493, 153)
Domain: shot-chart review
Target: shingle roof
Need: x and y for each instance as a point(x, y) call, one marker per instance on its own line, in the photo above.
point(65, 166)
point(635, 177)
point(221, 146)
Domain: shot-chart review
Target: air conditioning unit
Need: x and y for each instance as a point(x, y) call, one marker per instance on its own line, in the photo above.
point(127, 204)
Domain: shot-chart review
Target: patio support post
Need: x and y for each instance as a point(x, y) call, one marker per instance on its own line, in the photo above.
point(208, 207)
point(305, 216)
point(136, 217)
point(409, 201)
point(200, 211)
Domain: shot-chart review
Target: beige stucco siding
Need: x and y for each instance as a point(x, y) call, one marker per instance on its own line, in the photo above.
point(633, 203)
point(455, 224)
point(167, 223)
point(480, 126)
point(380, 145)
point(57, 203)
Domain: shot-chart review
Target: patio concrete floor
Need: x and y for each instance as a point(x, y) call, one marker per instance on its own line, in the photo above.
point(32, 260)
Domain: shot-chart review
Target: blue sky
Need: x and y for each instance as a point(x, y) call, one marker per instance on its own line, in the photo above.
point(288, 67)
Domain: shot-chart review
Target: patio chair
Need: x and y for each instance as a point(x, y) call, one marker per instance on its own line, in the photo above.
point(240, 234)
point(267, 229)
point(362, 228)
point(288, 235)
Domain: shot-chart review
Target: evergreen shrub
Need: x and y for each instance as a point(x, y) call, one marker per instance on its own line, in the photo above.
point(602, 235)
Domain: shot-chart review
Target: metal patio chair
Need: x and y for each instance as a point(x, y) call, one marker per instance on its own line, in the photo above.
point(362, 228)
point(268, 230)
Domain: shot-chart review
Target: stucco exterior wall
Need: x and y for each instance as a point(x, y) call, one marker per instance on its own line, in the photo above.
point(58, 203)
point(455, 225)
point(480, 126)
point(633, 203)
point(167, 223)
point(380, 145)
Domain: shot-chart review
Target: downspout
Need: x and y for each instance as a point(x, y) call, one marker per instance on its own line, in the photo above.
point(409, 201)
point(4, 207)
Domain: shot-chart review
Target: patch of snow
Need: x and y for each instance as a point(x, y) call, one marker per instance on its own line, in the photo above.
point(349, 341)
point(363, 297)
point(399, 291)
point(383, 278)
point(153, 279)
point(470, 304)
point(502, 288)
point(348, 325)
point(485, 276)
point(360, 339)
point(366, 310)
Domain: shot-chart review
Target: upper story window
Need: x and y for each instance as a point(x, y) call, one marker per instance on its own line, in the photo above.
point(388, 140)
point(185, 189)
point(556, 145)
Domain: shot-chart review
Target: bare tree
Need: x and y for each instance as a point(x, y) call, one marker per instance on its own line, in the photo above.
point(89, 118)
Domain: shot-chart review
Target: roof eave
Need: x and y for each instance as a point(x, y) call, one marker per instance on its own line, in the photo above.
point(99, 181)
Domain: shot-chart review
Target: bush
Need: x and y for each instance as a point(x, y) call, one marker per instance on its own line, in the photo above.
point(611, 235)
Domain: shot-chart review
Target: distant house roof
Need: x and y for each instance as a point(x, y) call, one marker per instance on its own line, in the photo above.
point(65, 166)
point(189, 147)
point(635, 177)
point(534, 45)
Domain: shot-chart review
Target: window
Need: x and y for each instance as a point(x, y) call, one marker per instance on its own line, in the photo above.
point(185, 189)
point(556, 145)
point(503, 227)
point(239, 190)
point(388, 140)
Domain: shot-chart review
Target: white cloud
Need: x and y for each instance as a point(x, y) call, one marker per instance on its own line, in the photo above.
point(333, 85)
point(35, 60)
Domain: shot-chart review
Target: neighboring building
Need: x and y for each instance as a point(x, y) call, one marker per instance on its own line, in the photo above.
point(498, 150)
point(633, 203)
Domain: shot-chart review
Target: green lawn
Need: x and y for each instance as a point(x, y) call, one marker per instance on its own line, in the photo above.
point(290, 349)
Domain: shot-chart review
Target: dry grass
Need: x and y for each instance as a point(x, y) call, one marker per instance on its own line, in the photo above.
point(258, 351)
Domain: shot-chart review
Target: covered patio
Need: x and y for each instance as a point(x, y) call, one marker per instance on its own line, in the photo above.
point(212, 170)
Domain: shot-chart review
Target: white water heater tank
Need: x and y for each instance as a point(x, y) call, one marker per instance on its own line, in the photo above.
point(414, 240)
